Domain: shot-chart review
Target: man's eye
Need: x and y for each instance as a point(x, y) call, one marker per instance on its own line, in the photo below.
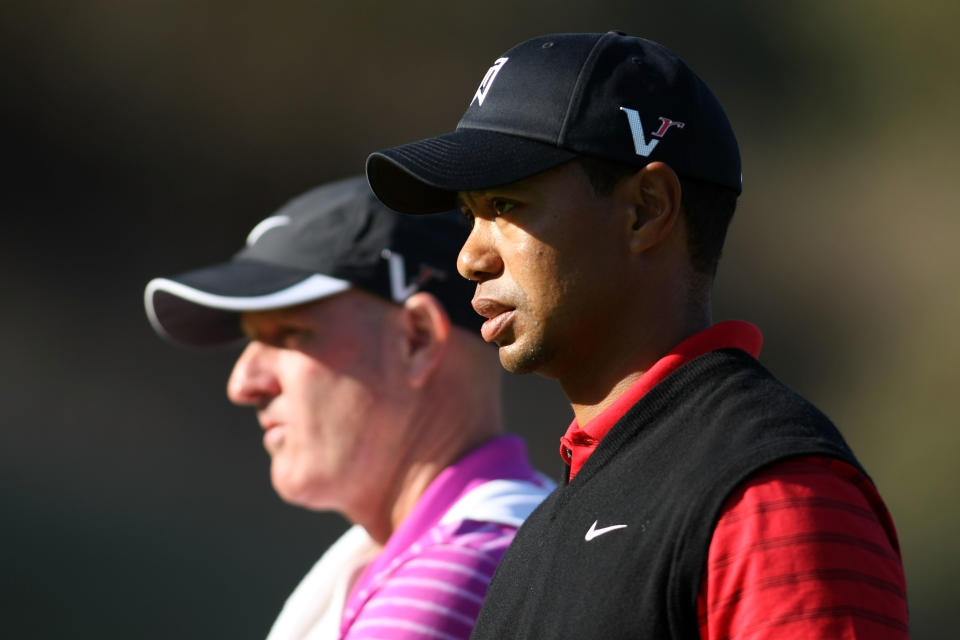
point(289, 337)
point(467, 216)
point(502, 206)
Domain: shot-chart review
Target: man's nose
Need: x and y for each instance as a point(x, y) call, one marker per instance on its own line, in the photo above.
point(252, 380)
point(478, 259)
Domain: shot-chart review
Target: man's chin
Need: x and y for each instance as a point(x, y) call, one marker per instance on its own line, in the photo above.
point(519, 360)
point(289, 490)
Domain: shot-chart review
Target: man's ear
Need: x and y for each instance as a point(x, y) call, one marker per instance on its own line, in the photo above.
point(653, 195)
point(426, 330)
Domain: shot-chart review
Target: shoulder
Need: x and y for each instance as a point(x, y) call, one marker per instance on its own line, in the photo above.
point(502, 501)
point(804, 546)
point(437, 586)
point(808, 490)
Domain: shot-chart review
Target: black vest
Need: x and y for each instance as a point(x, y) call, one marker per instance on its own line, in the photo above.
point(664, 470)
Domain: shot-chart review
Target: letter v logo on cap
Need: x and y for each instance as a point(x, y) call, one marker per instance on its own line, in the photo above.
point(400, 289)
point(640, 144)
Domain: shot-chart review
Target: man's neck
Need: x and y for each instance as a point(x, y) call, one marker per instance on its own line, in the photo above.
point(596, 384)
point(442, 429)
point(421, 474)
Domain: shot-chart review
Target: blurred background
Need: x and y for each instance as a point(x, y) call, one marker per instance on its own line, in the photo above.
point(145, 138)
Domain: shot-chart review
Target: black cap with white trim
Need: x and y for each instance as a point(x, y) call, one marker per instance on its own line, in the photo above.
point(332, 238)
point(552, 98)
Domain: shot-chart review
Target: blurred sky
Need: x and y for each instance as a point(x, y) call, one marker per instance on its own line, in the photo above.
point(145, 138)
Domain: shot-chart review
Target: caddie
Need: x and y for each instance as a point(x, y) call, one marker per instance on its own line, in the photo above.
point(377, 400)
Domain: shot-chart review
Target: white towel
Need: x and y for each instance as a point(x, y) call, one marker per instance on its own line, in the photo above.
point(314, 609)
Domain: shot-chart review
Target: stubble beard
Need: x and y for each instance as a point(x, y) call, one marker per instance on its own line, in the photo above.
point(525, 358)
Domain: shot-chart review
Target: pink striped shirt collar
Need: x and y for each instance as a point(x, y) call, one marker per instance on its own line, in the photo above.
point(502, 458)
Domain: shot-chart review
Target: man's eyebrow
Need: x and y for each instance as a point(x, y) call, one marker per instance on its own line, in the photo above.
point(248, 332)
point(464, 196)
point(262, 329)
point(473, 195)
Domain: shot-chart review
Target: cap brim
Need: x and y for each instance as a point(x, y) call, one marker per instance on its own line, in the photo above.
point(202, 307)
point(425, 176)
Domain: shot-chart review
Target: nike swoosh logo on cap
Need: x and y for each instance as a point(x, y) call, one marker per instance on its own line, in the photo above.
point(594, 532)
point(265, 225)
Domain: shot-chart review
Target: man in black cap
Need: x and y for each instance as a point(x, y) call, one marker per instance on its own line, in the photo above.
point(377, 400)
point(703, 498)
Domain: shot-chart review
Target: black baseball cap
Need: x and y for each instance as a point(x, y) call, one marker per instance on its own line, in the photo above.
point(552, 98)
point(330, 239)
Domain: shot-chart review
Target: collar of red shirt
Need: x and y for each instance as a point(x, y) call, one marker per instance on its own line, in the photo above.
point(578, 443)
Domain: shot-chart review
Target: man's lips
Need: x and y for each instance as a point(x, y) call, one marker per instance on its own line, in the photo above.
point(266, 425)
point(498, 317)
point(495, 326)
point(273, 433)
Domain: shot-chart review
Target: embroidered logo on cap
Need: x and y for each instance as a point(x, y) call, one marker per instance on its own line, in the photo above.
point(400, 289)
point(488, 80)
point(265, 225)
point(640, 144)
